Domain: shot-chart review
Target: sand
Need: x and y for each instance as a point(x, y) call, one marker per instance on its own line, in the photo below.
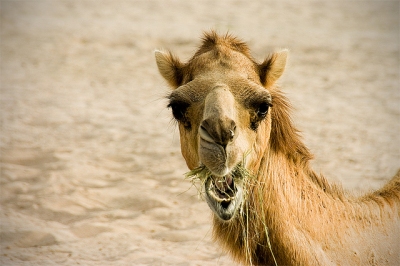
point(91, 170)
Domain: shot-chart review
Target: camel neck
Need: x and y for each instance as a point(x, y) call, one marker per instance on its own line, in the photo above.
point(298, 208)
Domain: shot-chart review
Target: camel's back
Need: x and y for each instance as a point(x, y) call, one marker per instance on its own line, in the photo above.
point(380, 244)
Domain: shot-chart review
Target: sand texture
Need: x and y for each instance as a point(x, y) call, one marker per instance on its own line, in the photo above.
point(91, 170)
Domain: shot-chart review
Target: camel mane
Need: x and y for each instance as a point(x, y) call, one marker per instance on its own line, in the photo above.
point(211, 40)
point(285, 139)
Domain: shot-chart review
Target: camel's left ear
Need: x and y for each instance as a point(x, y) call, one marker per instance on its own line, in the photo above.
point(170, 68)
point(272, 68)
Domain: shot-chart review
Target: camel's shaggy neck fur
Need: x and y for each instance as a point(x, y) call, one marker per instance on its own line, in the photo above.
point(295, 217)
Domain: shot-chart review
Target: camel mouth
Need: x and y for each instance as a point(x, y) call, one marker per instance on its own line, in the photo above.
point(223, 195)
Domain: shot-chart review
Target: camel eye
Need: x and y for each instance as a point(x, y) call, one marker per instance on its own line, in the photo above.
point(263, 109)
point(260, 112)
point(179, 110)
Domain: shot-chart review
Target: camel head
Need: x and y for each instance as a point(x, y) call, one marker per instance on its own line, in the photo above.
point(221, 99)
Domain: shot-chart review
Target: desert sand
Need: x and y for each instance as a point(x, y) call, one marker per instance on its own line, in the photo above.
point(91, 170)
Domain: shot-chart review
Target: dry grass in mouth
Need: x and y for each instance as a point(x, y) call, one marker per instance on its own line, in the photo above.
point(198, 178)
point(200, 175)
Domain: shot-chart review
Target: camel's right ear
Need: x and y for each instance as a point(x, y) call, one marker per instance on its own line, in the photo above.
point(170, 68)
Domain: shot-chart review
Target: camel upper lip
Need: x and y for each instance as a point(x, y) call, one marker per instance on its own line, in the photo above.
point(207, 144)
point(214, 157)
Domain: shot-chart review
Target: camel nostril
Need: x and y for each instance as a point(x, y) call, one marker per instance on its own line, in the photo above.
point(232, 133)
point(220, 131)
point(205, 135)
point(234, 127)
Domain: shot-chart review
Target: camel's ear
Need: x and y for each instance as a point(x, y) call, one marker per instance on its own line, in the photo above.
point(272, 68)
point(170, 68)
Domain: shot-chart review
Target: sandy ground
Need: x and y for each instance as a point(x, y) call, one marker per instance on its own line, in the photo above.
point(91, 171)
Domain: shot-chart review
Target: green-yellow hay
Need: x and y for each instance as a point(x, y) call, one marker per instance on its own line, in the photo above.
point(202, 173)
point(198, 175)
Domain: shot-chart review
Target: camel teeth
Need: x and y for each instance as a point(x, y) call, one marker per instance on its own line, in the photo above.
point(218, 199)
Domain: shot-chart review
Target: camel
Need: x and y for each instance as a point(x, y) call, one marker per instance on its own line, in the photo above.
point(268, 206)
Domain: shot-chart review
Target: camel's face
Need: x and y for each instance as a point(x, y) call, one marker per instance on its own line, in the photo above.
point(219, 120)
point(222, 110)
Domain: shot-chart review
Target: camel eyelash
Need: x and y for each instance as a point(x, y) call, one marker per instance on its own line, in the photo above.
point(262, 109)
point(179, 109)
point(261, 106)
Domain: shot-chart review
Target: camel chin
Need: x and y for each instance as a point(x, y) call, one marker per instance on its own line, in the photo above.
point(224, 195)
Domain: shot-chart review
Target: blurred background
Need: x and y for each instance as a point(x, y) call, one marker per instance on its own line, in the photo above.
point(91, 170)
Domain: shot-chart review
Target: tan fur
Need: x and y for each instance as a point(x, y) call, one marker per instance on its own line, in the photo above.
point(290, 215)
